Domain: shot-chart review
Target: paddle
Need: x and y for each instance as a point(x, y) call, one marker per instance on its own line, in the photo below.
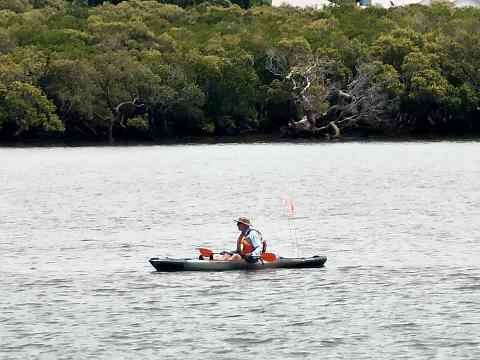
point(268, 256)
point(264, 256)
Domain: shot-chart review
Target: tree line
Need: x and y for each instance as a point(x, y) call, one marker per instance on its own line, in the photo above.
point(147, 70)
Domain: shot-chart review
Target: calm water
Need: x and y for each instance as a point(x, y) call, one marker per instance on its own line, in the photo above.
point(399, 223)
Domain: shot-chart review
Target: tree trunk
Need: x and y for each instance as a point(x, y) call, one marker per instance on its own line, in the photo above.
point(110, 131)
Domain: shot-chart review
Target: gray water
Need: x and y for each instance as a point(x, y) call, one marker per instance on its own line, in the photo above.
point(399, 223)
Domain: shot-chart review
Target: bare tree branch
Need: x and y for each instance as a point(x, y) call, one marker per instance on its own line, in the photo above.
point(361, 100)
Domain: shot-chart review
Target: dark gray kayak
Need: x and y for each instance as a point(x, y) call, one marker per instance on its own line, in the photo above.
point(219, 265)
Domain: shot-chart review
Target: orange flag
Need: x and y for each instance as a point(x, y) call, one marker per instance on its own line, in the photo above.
point(289, 206)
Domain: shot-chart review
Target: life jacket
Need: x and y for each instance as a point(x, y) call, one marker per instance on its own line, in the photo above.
point(244, 246)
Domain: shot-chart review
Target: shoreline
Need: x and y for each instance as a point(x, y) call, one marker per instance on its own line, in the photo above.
point(243, 139)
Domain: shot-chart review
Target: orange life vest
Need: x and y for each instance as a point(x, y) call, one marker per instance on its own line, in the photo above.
point(244, 246)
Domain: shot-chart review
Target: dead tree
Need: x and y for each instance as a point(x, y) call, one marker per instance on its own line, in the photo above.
point(117, 114)
point(359, 101)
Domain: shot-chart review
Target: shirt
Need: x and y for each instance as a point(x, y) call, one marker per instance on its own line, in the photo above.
point(253, 238)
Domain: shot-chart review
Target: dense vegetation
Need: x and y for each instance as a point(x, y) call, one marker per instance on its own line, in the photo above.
point(146, 70)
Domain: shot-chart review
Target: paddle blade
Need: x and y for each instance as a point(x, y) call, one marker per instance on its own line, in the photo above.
point(205, 252)
point(268, 256)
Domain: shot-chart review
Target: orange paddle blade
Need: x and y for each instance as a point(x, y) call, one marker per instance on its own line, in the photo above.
point(268, 256)
point(205, 252)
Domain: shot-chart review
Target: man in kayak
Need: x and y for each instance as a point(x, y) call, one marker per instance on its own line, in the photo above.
point(250, 243)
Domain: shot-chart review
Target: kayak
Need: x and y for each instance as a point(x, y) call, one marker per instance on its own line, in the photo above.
point(221, 265)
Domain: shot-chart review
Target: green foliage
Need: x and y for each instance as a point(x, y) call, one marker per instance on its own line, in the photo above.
point(156, 68)
point(345, 3)
point(392, 48)
point(139, 122)
point(390, 80)
point(7, 41)
point(429, 86)
point(73, 87)
point(28, 109)
point(8, 18)
point(17, 6)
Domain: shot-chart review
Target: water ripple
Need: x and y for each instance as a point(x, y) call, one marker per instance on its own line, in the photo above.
point(401, 282)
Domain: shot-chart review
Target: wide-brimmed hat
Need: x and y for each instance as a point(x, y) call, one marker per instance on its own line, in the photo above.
point(243, 220)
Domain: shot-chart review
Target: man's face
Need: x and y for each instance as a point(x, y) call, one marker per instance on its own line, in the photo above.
point(241, 226)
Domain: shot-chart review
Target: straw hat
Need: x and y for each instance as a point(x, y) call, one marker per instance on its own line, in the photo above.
point(243, 220)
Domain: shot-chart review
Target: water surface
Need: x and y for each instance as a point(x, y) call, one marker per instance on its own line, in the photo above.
point(399, 223)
